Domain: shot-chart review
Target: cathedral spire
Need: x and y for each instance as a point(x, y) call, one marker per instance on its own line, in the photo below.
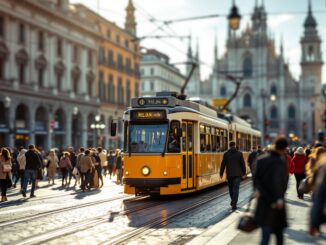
point(130, 24)
point(281, 47)
point(215, 50)
point(197, 50)
point(310, 20)
point(189, 53)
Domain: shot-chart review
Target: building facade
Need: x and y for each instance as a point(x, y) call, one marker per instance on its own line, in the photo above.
point(269, 96)
point(118, 72)
point(157, 74)
point(49, 73)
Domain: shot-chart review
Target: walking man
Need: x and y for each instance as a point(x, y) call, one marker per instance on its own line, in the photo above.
point(33, 164)
point(85, 167)
point(235, 170)
point(270, 180)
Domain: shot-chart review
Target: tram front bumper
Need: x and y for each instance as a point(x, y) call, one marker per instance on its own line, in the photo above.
point(150, 186)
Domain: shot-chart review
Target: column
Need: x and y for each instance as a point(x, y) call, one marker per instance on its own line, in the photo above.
point(11, 40)
point(51, 61)
point(11, 123)
point(32, 52)
point(84, 130)
point(31, 109)
point(83, 68)
point(66, 81)
point(68, 134)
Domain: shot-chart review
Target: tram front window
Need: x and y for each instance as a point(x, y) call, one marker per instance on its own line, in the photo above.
point(148, 138)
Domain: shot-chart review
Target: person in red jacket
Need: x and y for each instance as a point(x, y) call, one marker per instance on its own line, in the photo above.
point(290, 162)
point(299, 161)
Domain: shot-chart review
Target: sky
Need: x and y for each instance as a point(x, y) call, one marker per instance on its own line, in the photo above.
point(285, 22)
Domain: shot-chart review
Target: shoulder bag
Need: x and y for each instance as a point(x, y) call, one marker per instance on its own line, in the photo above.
point(304, 187)
point(6, 168)
point(247, 221)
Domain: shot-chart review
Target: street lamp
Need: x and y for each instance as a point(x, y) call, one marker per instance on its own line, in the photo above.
point(234, 18)
point(96, 127)
point(7, 104)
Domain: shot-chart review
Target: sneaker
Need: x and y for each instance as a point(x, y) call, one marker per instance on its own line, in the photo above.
point(234, 207)
point(31, 196)
point(23, 193)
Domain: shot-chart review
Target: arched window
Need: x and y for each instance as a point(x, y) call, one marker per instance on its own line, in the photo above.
point(247, 100)
point(247, 67)
point(311, 55)
point(291, 112)
point(273, 90)
point(223, 91)
point(273, 114)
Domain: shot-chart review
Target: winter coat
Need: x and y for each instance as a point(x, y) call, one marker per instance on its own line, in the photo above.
point(290, 165)
point(299, 162)
point(52, 168)
point(111, 160)
point(21, 159)
point(318, 210)
point(3, 175)
point(234, 163)
point(270, 179)
point(33, 160)
point(85, 163)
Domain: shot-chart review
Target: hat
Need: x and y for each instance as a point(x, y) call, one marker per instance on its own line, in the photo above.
point(299, 151)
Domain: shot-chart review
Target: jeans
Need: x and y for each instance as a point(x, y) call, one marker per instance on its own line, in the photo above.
point(85, 180)
point(99, 173)
point(21, 176)
point(266, 234)
point(30, 175)
point(234, 185)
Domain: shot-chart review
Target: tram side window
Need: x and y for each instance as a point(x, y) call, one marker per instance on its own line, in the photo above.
point(224, 140)
point(213, 140)
point(208, 139)
point(173, 141)
point(126, 136)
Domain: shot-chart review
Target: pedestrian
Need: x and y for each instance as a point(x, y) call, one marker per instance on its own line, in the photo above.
point(253, 156)
point(73, 161)
point(98, 164)
point(119, 167)
point(312, 166)
point(299, 161)
point(79, 156)
point(33, 164)
point(270, 181)
point(234, 163)
point(21, 159)
point(5, 172)
point(318, 210)
point(39, 175)
point(15, 171)
point(64, 166)
point(104, 162)
point(111, 159)
point(52, 165)
point(85, 167)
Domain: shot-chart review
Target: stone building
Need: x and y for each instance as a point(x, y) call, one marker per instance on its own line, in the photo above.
point(269, 96)
point(49, 90)
point(157, 74)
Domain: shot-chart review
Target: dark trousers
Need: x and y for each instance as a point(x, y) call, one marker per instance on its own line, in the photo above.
point(3, 185)
point(99, 173)
point(85, 180)
point(266, 234)
point(29, 175)
point(21, 177)
point(234, 185)
point(64, 172)
point(110, 168)
point(298, 178)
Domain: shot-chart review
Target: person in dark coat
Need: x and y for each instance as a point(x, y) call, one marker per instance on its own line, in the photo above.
point(270, 181)
point(253, 156)
point(33, 164)
point(234, 163)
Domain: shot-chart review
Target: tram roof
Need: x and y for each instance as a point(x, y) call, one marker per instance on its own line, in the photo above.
point(171, 100)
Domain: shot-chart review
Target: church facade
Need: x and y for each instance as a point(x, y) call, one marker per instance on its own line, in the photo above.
point(269, 96)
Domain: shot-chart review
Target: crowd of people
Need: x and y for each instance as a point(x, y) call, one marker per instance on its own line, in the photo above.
point(86, 167)
point(271, 169)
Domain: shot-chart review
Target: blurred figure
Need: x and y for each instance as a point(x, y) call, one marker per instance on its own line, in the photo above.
point(235, 170)
point(33, 164)
point(299, 162)
point(312, 165)
point(64, 165)
point(253, 156)
point(270, 181)
point(111, 158)
point(85, 167)
point(73, 161)
point(5, 172)
point(290, 165)
point(39, 175)
point(119, 167)
point(103, 160)
point(318, 215)
point(52, 166)
point(21, 159)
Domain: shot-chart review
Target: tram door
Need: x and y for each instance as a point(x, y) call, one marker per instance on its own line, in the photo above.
point(187, 156)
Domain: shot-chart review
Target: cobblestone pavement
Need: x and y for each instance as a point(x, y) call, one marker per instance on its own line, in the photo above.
point(107, 221)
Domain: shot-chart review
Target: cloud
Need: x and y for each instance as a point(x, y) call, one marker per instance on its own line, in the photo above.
point(277, 20)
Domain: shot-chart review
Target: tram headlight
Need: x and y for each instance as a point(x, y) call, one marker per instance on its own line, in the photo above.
point(126, 172)
point(145, 171)
point(165, 173)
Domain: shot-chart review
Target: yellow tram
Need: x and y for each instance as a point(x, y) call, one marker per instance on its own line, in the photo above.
point(175, 146)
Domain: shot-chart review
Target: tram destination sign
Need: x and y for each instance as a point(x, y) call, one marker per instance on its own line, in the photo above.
point(153, 101)
point(148, 115)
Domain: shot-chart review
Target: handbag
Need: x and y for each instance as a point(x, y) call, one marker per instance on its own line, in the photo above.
point(75, 171)
point(247, 222)
point(304, 187)
point(7, 168)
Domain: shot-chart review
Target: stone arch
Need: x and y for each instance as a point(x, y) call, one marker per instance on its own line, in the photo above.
point(22, 57)
point(22, 116)
point(291, 112)
point(247, 65)
point(41, 119)
point(273, 90)
point(273, 112)
point(41, 62)
point(60, 120)
point(247, 100)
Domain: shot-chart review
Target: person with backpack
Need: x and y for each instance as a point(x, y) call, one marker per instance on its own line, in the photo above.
point(64, 166)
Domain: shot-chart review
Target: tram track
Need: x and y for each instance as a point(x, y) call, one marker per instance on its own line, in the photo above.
point(62, 210)
point(159, 223)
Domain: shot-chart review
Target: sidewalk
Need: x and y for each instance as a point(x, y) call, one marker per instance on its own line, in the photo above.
point(225, 232)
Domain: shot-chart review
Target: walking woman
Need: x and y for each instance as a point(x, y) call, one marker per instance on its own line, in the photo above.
point(22, 164)
point(299, 161)
point(64, 164)
point(52, 166)
point(5, 173)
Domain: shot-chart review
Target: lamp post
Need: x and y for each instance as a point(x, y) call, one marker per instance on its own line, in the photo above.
point(234, 17)
point(7, 104)
point(96, 127)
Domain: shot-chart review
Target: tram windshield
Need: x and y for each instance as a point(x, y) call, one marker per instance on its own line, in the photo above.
point(147, 138)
